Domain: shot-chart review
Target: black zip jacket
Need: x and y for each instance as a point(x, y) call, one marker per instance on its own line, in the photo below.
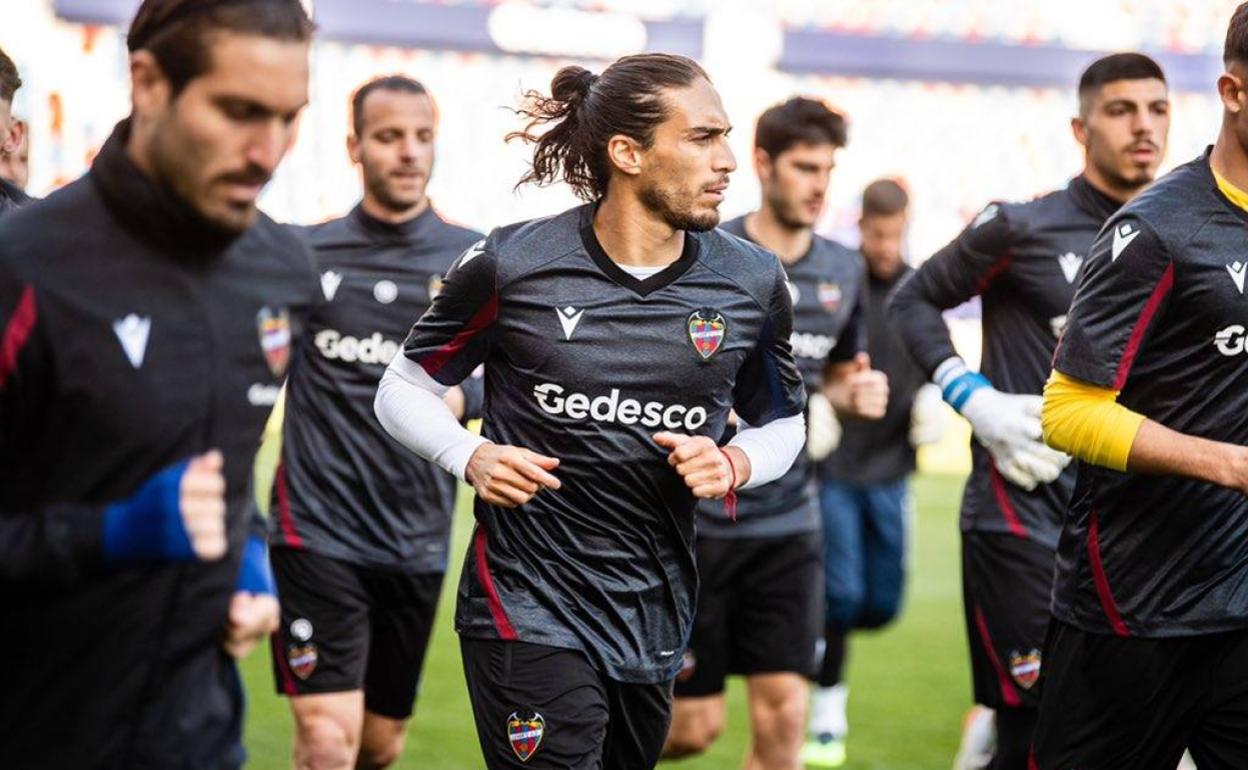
point(133, 335)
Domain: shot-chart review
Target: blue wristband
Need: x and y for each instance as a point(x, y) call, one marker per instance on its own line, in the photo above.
point(148, 526)
point(256, 576)
point(958, 390)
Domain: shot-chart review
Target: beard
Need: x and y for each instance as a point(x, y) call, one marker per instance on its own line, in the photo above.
point(675, 213)
point(787, 213)
point(377, 184)
point(178, 167)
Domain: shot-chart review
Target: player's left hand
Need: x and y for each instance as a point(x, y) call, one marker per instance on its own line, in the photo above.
point(703, 465)
point(252, 617)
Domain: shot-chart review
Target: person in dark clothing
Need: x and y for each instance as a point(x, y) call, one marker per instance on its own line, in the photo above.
point(616, 337)
point(1022, 260)
point(760, 605)
point(12, 135)
point(360, 530)
point(863, 484)
point(140, 307)
point(1148, 649)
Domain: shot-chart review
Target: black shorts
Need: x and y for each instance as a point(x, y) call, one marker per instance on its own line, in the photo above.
point(546, 707)
point(1110, 703)
point(760, 610)
point(346, 627)
point(1006, 583)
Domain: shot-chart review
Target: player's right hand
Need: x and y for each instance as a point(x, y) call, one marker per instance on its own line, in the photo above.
point(1008, 425)
point(202, 502)
point(508, 476)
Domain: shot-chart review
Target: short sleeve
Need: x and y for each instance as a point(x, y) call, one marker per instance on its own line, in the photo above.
point(1126, 283)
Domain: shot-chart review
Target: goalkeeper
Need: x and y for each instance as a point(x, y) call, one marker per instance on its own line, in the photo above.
point(1022, 261)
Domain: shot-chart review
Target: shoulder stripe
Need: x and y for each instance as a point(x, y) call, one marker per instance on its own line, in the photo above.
point(17, 333)
point(480, 321)
point(1141, 325)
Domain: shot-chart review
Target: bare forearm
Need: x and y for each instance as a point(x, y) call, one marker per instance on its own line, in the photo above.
point(1160, 450)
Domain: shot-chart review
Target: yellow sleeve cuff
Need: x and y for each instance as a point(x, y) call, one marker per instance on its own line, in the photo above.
point(1087, 422)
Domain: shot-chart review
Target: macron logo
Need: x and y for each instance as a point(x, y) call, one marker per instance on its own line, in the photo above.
point(330, 281)
point(1237, 270)
point(133, 332)
point(1123, 236)
point(569, 317)
point(987, 215)
point(1070, 262)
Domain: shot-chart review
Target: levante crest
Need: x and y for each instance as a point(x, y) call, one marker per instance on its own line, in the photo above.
point(273, 327)
point(525, 731)
point(707, 328)
point(1025, 668)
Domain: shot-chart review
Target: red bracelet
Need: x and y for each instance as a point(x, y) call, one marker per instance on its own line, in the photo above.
point(730, 499)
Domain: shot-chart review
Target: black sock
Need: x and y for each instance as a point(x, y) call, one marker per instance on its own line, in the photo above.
point(833, 665)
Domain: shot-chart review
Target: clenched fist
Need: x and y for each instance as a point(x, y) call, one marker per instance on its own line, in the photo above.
point(711, 473)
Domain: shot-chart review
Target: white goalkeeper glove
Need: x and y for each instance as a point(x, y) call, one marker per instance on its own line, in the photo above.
point(1008, 425)
point(823, 430)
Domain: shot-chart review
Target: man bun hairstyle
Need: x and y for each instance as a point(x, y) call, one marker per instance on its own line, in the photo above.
point(584, 110)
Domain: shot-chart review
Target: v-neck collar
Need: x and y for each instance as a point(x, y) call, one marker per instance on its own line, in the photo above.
point(640, 286)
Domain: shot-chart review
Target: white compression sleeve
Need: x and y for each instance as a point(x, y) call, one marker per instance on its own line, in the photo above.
point(409, 406)
point(771, 448)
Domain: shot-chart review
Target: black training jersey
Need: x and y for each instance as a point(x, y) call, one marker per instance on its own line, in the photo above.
point(829, 325)
point(1160, 315)
point(584, 362)
point(344, 488)
point(11, 196)
point(873, 451)
point(133, 335)
point(1022, 260)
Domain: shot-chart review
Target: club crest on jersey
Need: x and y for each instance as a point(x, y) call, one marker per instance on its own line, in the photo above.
point(830, 296)
point(302, 659)
point(525, 731)
point(435, 286)
point(707, 328)
point(1025, 668)
point(274, 329)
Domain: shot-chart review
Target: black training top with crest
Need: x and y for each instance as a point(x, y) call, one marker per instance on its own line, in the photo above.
point(345, 488)
point(1160, 315)
point(1022, 261)
point(584, 362)
point(829, 325)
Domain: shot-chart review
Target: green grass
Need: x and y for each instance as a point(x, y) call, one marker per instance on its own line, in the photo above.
point(909, 683)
